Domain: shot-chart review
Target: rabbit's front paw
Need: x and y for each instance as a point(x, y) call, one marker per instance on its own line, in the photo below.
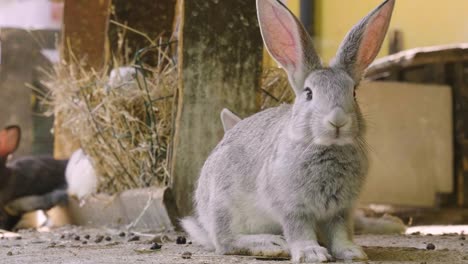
point(309, 251)
point(349, 252)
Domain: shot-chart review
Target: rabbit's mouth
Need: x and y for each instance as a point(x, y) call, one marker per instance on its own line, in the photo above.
point(335, 138)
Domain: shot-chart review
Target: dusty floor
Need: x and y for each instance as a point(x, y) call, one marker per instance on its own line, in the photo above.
point(72, 245)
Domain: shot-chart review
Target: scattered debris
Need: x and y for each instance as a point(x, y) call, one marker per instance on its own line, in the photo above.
point(430, 246)
point(99, 239)
point(155, 246)
point(134, 238)
point(187, 255)
point(160, 239)
point(181, 240)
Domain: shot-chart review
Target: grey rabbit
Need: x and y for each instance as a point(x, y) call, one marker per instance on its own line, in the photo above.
point(386, 224)
point(27, 183)
point(294, 170)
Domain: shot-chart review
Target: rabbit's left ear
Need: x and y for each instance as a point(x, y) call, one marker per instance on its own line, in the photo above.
point(287, 41)
point(9, 140)
point(362, 43)
point(229, 119)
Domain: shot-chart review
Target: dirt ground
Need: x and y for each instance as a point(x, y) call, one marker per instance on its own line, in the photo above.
point(81, 245)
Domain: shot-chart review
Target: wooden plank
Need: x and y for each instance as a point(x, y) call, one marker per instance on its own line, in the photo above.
point(420, 56)
point(85, 26)
point(220, 54)
point(84, 37)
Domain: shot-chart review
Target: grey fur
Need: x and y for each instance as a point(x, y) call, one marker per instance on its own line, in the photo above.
point(294, 170)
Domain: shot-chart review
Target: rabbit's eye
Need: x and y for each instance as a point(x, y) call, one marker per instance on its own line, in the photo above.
point(308, 93)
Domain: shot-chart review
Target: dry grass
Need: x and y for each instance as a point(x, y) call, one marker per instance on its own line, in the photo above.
point(275, 88)
point(124, 125)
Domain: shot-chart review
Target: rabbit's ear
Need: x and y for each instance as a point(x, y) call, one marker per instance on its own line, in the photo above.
point(9, 140)
point(287, 41)
point(229, 119)
point(362, 43)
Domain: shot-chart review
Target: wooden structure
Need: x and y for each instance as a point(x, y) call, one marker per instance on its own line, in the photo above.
point(216, 70)
point(437, 65)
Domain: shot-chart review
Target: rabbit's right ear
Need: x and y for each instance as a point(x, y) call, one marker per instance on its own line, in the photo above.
point(9, 140)
point(287, 41)
point(229, 119)
point(362, 43)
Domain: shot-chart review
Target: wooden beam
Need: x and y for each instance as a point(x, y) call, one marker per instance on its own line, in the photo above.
point(220, 55)
point(84, 37)
point(85, 26)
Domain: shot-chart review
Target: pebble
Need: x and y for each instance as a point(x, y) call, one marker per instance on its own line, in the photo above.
point(108, 238)
point(155, 246)
point(122, 234)
point(77, 238)
point(186, 255)
point(181, 240)
point(134, 238)
point(10, 253)
point(99, 239)
point(430, 246)
point(87, 236)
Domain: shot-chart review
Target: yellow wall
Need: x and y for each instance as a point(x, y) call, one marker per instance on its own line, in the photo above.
point(423, 22)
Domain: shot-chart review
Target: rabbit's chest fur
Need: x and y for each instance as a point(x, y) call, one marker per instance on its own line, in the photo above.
point(321, 181)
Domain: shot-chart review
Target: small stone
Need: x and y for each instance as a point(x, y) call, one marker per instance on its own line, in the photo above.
point(430, 246)
point(77, 238)
point(18, 238)
point(9, 253)
point(190, 242)
point(186, 255)
point(155, 246)
point(87, 236)
point(121, 234)
point(62, 236)
point(85, 242)
point(181, 240)
point(461, 244)
point(99, 239)
point(134, 238)
point(462, 238)
point(131, 234)
point(416, 233)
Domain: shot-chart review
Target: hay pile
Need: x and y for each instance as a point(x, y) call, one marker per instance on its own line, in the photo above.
point(123, 123)
point(275, 88)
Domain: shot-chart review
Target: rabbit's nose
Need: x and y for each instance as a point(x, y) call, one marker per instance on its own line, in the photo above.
point(337, 118)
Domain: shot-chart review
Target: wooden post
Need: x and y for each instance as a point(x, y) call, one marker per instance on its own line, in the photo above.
point(84, 36)
point(149, 17)
point(220, 55)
